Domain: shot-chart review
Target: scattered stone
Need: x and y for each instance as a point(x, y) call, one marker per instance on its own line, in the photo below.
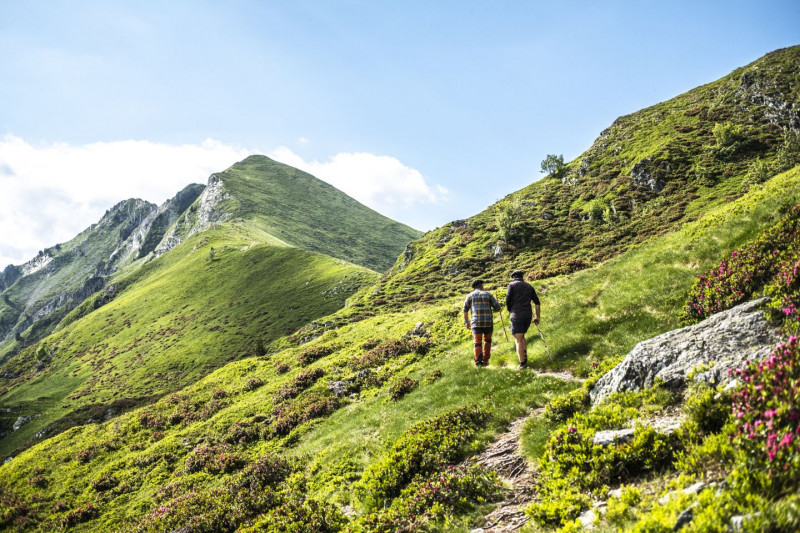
point(8, 459)
point(720, 343)
point(21, 421)
point(738, 521)
point(587, 519)
point(615, 493)
point(694, 488)
point(683, 519)
point(612, 436)
point(497, 251)
point(641, 175)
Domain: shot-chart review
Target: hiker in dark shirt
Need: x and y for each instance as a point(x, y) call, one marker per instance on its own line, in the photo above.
point(519, 296)
point(480, 303)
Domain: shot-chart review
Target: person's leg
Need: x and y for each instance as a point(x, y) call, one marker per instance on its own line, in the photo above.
point(522, 347)
point(487, 347)
point(477, 337)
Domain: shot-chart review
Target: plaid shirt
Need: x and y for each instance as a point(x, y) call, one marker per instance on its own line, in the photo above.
point(480, 304)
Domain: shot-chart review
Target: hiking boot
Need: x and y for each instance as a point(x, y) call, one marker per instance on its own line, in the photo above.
point(480, 363)
point(523, 364)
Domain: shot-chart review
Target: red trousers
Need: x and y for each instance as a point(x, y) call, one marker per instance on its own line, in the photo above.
point(483, 346)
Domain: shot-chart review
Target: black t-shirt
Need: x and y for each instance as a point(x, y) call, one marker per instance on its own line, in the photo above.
point(519, 297)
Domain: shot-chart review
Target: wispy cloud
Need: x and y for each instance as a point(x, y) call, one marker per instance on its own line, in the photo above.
point(51, 192)
point(378, 181)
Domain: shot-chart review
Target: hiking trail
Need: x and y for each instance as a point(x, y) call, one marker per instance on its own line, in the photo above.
point(504, 456)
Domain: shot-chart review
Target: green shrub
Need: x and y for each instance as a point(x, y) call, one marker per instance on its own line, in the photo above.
point(311, 354)
point(431, 497)
point(422, 449)
point(562, 407)
point(401, 387)
point(709, 408)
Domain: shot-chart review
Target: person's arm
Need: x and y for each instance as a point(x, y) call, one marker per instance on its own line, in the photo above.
point(495, 304)
point(509, 299)
point(466, 319)
point(538, 314)
point(467, 305)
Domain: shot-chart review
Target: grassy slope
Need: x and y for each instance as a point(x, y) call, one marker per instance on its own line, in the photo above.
point(597, 210)
point(607, 308)
point(306, 212)
point(179, 318)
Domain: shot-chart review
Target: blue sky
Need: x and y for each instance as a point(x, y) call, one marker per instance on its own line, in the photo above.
point(426, 111)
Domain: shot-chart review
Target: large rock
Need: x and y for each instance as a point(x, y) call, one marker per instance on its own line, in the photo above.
point(720, 343)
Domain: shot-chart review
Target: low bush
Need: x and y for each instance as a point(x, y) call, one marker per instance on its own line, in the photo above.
point(389, 350)
point(563, 407)
point(422, 449)
point(441, 493)
point(770, 263)
point(401, 387)
point(214, 459)
point(301, 382)
point(767, 410)
point(709, 408)
point(311, 354)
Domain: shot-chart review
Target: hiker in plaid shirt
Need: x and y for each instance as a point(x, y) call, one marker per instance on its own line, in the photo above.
point(480, 303)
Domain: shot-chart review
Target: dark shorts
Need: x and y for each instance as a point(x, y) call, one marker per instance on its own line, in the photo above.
point(482, 331)
point(520, 324)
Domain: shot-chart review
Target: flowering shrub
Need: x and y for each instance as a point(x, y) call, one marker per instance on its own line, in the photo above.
point(768, 412)
point(252, 384)
point(401, 387)
point(104, 482)
point(433, 377)
point(84, 513)
point(301, 382)
point(87, 454)
point(281, 367)
point(309, 355)
point(38, 479)
point(152, 420)
point(297, 514)
point(431, 497)
point(218, 394)
point(422, 449)
point(214, 459)
point(389, 350)
point(288, 416)
point(242, 432)
point(770, 263)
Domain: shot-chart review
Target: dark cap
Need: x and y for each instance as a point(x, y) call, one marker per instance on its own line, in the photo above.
point(518, 274)
point(477, 283)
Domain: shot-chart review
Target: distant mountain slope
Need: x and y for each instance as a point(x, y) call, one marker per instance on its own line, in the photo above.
point(39, 293)
point(306, 212)
point(219, 296)
point(645, 175)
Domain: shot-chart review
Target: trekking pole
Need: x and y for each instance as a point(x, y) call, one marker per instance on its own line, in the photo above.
point(504, 325)
point(545, 342)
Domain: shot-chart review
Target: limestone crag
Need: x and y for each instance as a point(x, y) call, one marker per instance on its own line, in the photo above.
point(709, 349)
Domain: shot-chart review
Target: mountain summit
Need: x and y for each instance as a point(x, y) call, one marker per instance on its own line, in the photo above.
point(300, 210)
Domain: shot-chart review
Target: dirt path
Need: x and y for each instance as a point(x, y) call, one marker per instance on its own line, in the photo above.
point(504, 456)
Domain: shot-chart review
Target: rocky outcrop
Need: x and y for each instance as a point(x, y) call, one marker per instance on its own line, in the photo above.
point(206, 212)
point(708, 350)
point(644, 174)
point(149, 234)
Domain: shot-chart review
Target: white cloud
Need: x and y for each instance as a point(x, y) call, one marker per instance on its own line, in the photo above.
point(49, 193)
point(378, 181)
